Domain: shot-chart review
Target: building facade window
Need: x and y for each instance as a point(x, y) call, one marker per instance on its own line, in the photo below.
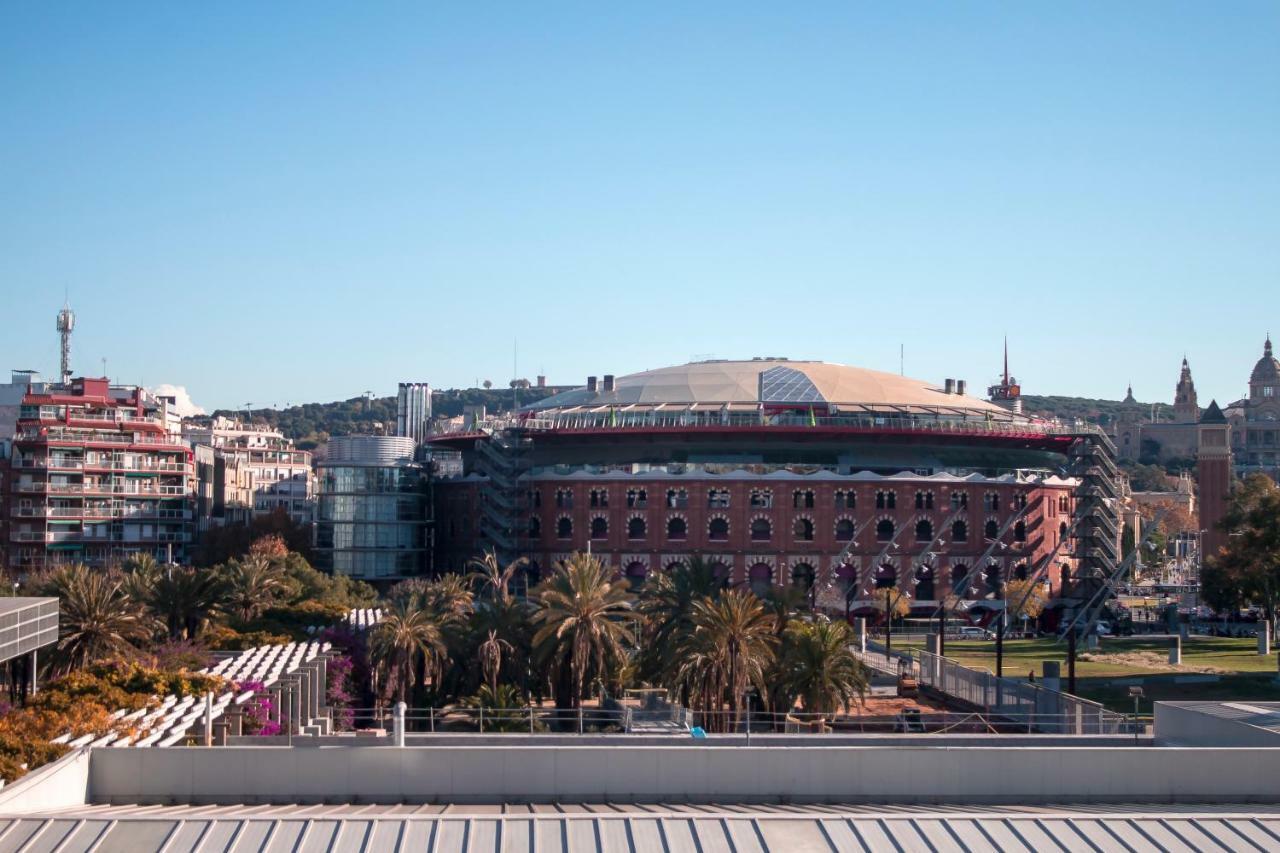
point(636, 528)
point(718, 498)
point(924, 530)
point(845, 529)
point(637, 498)
point(846, 500)
point(761, 530)
point(802, 500)
point(803, 530)
point(718, 529)
point(599, 498)
point(924, 500)
point(677, 499)
point(677, 528)
point(886, 500)
point(959, 500)
point(959, 532)
point(761, 499)
point(564, 527)
point(884, 530)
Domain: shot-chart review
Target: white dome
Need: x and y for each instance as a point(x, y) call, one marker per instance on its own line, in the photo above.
point(768, 382)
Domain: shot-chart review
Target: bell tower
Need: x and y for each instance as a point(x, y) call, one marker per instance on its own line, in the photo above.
point(1185, 409)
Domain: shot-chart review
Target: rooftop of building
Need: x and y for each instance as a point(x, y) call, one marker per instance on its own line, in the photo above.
point(766, 382)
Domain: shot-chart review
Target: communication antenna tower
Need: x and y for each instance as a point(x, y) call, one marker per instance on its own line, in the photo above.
point(66, 322)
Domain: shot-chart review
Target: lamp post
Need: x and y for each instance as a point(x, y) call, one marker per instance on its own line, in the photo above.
point(1002, 614)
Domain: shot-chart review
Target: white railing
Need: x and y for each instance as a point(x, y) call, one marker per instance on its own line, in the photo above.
point(1046, 710)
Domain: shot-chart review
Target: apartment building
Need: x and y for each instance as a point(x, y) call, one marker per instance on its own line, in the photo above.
point(95, 477)
point(250, 469)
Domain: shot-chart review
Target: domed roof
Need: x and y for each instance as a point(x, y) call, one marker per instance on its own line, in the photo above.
point(769, 381)
point(1268, 368)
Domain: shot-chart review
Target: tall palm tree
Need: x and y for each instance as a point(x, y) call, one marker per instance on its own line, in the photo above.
point(408, 641)
point(583, 618)
point(666, 603)
point(141, 571)
point(819, 667)
point(251, 586)
point(184, 598)
point(97, 619)
point(492, 576)
point(735, 634)
point(448, 597)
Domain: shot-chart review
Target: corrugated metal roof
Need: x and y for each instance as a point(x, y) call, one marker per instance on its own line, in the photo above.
point(707, 829)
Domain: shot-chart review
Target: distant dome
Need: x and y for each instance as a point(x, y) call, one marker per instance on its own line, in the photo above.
point(769, 382)
point(1268, 368)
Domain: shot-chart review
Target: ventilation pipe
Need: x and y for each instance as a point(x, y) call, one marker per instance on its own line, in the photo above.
point(591, 384)
point(960, 386)
point(949, 386)
point(608, 382)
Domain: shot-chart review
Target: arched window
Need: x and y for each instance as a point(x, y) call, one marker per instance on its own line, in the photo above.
point(992, 578)
point(959, 500)
point(846, 500)
point(672, 565)
point(564, 528)
point(761, 577)
point(959, 532)
point(802, 500)
point(924, 530)
point(677, 528)
point(761, 530)
point(535, 527)
point(958, 574)
point(599, 498)
point(886, 576)
point(884, 530)
point(924, 500)
point(802, 576)
point(599, 527)
point(1062, 530)
point(924, 584)
point(636, 528)
point(718, 530)
point(635, 574)
point(886, 500)
point(1020, 532)
point(564, 498)
point(992, 529)
point(804, 529)
point(721, 572)
point(846, 578)
point(844, 530)
point(637, 498)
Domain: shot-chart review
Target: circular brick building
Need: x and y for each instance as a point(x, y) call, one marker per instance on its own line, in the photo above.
point(832, 478)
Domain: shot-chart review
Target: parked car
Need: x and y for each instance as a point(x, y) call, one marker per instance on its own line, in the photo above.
point(1103, 629)
point(974, 632)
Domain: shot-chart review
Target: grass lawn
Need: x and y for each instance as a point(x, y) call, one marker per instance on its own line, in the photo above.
point(1231, 688)
point(1115, 657)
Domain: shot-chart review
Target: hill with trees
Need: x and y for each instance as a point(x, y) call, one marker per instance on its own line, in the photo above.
point(312, 423)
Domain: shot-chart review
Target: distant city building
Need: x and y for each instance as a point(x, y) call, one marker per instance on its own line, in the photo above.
point(1142, 434)
point(1007, 392)
point(1255, 420)
point(95, 477)
point(251, 470)
point(413, 410)
point(372, 518)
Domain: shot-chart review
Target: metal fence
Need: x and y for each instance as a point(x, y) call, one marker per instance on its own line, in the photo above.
point(684, 723)
point(1041, 709)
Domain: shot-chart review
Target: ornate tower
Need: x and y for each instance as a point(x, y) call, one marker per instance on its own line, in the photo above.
point(1185, 410)
point(1264, 381)
point(1213, 468)
point(66, 322)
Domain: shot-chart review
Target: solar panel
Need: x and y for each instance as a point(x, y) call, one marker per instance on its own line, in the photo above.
point(787, 385)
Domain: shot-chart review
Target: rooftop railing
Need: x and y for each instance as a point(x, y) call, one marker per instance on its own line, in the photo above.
point(915, 421)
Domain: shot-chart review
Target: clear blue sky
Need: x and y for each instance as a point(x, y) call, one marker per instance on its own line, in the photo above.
point(292, 202)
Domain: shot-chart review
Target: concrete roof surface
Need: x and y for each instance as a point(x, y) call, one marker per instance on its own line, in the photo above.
point(660, 827)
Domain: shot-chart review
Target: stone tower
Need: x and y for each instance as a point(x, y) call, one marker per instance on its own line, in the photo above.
point(1213, 468)
point(1185, 410)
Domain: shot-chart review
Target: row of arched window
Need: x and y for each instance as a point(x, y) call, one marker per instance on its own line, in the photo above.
point(719, 498)
point(762, 529)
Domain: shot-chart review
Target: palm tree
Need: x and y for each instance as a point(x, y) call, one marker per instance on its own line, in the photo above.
point(184, 598)
point(251, 586)
point(734, 633)
point(583, 618)
point(493, 576)
point(448, 598)
point(141, 571)
point(666, 603)
point(491, 658)
point(819, 666)
point(96, 620)
point(406, 642)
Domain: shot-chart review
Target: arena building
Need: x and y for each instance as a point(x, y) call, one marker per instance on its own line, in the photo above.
point(833, 478)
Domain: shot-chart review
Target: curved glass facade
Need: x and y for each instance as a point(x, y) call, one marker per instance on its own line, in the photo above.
point(371, 520)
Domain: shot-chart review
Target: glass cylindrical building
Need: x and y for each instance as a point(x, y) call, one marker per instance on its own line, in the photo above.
point(371, 520)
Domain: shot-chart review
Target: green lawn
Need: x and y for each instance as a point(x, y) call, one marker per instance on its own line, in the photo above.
point(1231, 688)
point(1024, 656)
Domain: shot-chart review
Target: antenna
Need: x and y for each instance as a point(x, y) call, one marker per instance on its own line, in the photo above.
point(66, 322)
point(1006, 359)
point(515, 374)
point(902, 358)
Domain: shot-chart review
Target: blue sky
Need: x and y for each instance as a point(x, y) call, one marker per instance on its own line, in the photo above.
point(295, 202)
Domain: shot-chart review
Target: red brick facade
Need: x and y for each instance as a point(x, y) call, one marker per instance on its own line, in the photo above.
point(764, 528)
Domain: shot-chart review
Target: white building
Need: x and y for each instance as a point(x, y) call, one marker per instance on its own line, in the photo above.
point(413, 410)
point(266, 465)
